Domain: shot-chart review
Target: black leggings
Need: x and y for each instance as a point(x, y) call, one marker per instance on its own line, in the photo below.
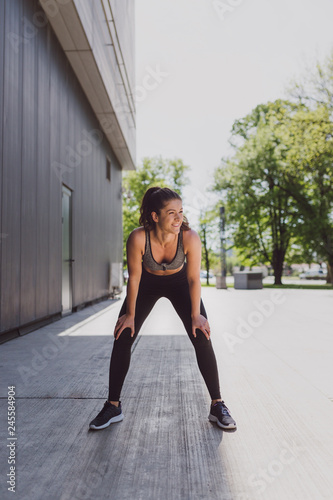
point(175, 288)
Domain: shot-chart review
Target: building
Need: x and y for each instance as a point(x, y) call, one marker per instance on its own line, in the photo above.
point(67, 130)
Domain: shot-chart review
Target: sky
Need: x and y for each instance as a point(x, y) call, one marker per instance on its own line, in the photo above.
point(202, 64)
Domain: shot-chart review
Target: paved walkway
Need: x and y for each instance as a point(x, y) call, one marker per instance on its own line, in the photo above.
point(274, 350)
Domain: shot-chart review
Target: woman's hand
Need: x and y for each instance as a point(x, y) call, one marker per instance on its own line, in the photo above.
point(202, 324)
point(125, 321)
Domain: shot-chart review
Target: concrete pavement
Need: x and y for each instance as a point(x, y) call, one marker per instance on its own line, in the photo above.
point(274, 350)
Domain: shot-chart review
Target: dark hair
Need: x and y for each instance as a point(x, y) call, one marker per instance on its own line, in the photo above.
point(154, 199)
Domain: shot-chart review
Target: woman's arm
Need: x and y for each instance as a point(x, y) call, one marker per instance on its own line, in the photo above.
point(134, 259)
point(193, 258)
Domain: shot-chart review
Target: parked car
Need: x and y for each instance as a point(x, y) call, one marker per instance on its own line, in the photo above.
point(314, 274)
point(203, 275)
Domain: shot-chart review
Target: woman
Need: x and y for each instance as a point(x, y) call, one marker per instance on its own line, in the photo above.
point(156, 263)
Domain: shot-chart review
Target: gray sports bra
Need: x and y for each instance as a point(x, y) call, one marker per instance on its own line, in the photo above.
point(178, 260)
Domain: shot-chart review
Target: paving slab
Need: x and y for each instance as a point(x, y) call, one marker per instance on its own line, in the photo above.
point(274, 355)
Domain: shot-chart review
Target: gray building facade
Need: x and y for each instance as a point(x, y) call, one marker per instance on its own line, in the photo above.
point(67, 130)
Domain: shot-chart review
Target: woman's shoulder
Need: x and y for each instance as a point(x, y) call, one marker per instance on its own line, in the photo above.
point(190, 234)
point(190, 238)
point(137, 237)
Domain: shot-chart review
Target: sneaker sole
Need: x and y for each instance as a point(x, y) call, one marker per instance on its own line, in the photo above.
point(112, 420)
point(212, 418)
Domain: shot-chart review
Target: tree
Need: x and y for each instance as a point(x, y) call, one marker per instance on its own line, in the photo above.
point(309, 175)
point(154, 171)
point(208, 231)
point(262, 216)
point(311, 158)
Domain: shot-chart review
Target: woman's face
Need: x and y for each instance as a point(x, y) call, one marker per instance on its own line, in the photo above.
point(170, 217)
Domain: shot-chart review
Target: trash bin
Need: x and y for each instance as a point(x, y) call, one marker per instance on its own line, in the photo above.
point(246, 280)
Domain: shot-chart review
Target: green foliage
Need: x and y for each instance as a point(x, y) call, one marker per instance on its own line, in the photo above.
point(310, 179)
point(278, 185)
point(238, 259)
point(262, 216)
point(310, 161)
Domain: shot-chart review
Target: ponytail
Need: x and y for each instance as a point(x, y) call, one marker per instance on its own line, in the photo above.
point(154, 200)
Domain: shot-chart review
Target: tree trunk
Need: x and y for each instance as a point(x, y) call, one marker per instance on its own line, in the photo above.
point(206, 253)
point(278, 259)
point(328, 248)
point(329, 279)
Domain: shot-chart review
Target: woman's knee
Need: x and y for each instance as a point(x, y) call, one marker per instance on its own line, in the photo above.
point(124, 340)
point(200, 340)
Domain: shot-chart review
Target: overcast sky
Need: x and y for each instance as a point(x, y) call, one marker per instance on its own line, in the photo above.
point(201, 64)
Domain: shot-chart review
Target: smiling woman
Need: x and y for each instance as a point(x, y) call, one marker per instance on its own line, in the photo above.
point(156, 253)
point(163, 221)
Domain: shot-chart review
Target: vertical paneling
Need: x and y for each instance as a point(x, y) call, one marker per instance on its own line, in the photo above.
point(91, 235)
point(55, 237)
point(11, 181)
point(29, 175)
point(2, 44)
point(44, 114)
point(106, 247)
point(102, 182)
point(72, 182)
point(80, 226)
point(64, 155)
point(43, 171)
point(95, 168)
point(84, 251)
point(77, 201)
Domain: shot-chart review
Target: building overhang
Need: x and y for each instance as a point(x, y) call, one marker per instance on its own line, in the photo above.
point(88, 58)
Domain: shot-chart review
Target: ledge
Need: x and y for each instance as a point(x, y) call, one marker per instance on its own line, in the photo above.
point(83, 39)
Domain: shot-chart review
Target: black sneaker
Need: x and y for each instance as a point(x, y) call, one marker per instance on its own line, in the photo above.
point(108, 415)
point(220, 414)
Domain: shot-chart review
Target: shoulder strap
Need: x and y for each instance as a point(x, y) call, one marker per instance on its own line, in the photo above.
point(180, 241)
point(147, 245)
